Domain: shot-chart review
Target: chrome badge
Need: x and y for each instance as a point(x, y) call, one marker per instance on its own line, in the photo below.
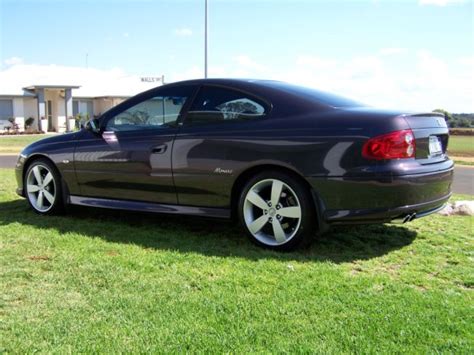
point(223, 171)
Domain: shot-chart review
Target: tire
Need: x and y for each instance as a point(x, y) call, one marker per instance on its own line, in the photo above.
point(43, 191)
point(277, 211)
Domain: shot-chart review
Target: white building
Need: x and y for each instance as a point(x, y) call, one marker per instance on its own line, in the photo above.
point(51, 94)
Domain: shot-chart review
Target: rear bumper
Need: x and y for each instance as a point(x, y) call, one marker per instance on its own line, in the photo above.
point(382, 198)
point(363, 216)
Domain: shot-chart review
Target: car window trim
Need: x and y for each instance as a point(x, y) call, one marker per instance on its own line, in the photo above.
point(265, 103)
point(136, 100)
point(123, 106)
point(184, 111)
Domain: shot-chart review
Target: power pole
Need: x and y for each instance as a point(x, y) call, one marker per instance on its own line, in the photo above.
point(205, 38)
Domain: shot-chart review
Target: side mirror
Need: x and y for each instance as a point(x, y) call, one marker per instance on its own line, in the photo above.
point(93, 125)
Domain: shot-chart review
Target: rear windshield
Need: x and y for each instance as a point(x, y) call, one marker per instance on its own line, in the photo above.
point(315, 95)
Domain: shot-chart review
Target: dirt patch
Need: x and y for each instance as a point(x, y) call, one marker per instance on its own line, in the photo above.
point(356, 270)
point(39, 257)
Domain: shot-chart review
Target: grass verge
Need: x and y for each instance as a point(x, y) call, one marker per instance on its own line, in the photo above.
point(13, 144)
point(463, 162)
point(461, 146)
point(109, 281)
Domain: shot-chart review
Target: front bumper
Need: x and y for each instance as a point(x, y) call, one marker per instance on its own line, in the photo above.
point(382, 198)
point(19, 174)
point(19, 191)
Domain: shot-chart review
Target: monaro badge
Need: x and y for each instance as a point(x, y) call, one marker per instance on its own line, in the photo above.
point(223, 171)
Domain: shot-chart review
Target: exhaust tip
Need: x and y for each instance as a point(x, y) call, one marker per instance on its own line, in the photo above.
point(404, 219)
point(401, 219)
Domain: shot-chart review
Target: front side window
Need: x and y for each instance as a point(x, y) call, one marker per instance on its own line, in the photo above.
point(153, 113)
point(214, 104)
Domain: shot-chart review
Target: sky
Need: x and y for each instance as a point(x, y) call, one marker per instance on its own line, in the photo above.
point(417, 54)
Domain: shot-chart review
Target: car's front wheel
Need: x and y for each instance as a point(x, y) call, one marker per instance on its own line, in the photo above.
point(43, 187)
point(276, 210)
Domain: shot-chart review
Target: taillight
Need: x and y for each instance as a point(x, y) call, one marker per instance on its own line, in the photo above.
point(395, 145)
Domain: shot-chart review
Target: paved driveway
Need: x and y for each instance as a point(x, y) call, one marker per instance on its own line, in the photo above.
point(463, 176)
point(463, 180)
point(8, 161)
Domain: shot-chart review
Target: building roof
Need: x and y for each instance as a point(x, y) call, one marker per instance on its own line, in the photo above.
point(102, 97)
point(15, 96)
point(34, 87)
point(17, 80)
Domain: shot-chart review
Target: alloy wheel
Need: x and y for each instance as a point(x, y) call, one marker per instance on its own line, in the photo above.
point(272, 212)
point(41, 188)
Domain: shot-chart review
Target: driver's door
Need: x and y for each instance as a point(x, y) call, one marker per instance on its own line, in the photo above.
point(130, 159)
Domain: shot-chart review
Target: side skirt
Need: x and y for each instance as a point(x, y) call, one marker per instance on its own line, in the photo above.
point(149, 207)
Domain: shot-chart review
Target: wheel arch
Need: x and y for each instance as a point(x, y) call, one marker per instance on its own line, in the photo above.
point(247, 174)
point(37, 156)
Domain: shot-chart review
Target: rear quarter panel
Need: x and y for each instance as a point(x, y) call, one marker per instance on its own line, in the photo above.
point(208, 159)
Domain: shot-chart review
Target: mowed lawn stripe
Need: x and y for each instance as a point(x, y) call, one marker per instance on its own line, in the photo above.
point(110, 281)
point(461, 146)
point(13, 144)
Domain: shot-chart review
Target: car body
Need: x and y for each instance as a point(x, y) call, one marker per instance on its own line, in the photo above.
point(215, 135)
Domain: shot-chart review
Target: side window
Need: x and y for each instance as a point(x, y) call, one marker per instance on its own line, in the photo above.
point(214, 104)
point(153, 113)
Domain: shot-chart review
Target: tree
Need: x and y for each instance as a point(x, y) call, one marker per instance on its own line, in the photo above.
point(447, 116)
point(28, 122)
point(237, 109)
point(463, 123)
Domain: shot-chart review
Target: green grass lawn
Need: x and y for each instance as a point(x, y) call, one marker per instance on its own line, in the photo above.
point(109, 281)
point(462, 146)
point(13, 144)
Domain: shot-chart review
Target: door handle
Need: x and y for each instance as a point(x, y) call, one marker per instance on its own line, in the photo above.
point(159, 149)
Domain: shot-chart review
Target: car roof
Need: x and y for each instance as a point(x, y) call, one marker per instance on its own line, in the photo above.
point(269, 88)
point(224, 81)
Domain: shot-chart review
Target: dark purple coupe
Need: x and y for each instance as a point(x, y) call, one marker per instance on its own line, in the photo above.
point(284, 160)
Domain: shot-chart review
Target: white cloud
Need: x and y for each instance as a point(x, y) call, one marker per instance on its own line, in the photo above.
point(183, 32)
point(194, 72)
point(245, 62)
point(440, 2)
point(126, 35)
point(13, 61)
point(423, 83)
point(315, 62)
point(469, 61)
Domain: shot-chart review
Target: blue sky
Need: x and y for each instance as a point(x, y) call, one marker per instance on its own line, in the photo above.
point(308, 42)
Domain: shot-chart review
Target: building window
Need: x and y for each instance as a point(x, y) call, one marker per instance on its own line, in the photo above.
point(83, 107)
point(6, 109)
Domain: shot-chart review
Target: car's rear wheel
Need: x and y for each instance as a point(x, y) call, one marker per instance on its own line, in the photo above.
point(43, 187)
point(277, 212)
